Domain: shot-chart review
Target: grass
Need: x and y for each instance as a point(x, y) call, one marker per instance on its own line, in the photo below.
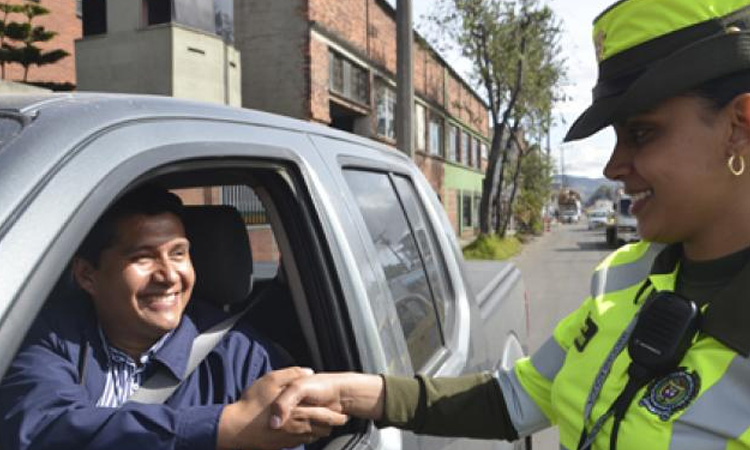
point(492, 247)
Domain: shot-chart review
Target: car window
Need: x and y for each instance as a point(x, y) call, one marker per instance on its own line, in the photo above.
point(427, 241)
point(265, 249)
point(399, 254)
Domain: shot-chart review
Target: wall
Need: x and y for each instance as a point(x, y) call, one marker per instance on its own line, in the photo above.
point(62, 19)
point(459, 180)
point(319, 81)
point(137, 62)
point(198, 67)
point(272, 37)
point(344, 18)
point(161, 60)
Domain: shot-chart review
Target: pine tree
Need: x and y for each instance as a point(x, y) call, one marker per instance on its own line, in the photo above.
point(27, 35)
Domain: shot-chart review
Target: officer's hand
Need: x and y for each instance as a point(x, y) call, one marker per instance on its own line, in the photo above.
point(246, 423)
point(354, 394)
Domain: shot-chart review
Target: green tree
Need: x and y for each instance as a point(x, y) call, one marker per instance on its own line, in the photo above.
point(603, 192)
point(5, 48)
point(514, 51)
point(535, 190)
point(27, 35)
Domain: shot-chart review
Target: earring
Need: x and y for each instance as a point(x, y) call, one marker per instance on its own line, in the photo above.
point(730, 165)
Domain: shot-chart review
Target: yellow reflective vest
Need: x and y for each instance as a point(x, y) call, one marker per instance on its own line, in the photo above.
point(702, 404)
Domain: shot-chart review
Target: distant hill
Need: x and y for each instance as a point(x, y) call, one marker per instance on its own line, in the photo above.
point(584, 186)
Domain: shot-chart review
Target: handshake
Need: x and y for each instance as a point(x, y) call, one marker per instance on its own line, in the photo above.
point(289, 407)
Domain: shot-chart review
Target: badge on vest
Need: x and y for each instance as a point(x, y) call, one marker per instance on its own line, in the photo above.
point(587, 333)
point(672, 393)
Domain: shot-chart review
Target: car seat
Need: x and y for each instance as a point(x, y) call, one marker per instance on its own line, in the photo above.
point(222, 257)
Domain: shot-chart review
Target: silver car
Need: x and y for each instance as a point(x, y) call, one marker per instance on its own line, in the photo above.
point(371, 276)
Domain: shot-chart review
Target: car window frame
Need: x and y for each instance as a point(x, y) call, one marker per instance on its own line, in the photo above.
point(168, 151)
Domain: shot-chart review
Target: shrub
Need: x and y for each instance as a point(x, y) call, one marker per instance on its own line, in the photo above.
point(492, 247)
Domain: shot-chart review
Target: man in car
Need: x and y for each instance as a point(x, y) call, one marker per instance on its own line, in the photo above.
point(69, 385)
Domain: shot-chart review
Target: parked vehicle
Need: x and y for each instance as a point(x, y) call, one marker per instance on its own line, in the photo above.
point(370, 275)
point(624, 226)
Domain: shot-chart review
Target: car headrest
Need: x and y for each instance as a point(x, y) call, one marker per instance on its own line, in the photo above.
point(221, 255)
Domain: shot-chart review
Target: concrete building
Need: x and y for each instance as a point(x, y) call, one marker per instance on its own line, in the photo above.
point(179, 48)
point(64, 18)
point(334, 62)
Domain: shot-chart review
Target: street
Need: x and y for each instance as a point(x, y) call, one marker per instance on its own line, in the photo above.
point(556, 269)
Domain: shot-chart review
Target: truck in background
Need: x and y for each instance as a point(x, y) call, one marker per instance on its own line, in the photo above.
point(624, 226)
point(569, 205)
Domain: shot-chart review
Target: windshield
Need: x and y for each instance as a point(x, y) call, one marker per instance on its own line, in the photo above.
point(625, 206)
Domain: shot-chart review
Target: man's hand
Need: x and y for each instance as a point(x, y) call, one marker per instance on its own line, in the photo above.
point(246, 423)
point(353, 394)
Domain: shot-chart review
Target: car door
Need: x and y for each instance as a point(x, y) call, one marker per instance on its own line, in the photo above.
point(418, 291)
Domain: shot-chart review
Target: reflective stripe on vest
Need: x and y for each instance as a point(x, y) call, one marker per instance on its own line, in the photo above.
point(624, 269)
point(704, 404)
point(549, 359)
point(526, 416)
point(721, 414)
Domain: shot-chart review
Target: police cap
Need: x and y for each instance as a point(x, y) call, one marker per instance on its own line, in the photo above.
point(651, 50)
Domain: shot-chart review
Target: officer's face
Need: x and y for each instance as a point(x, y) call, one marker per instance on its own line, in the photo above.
point(673, 161)
point(143, 281)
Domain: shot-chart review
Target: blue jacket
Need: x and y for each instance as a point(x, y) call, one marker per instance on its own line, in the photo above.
point(49, 393)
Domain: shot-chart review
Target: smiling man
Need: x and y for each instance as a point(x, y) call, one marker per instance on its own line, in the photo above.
point(69, 385)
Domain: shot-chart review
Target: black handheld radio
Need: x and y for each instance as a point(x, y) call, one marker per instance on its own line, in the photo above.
point(666, 327)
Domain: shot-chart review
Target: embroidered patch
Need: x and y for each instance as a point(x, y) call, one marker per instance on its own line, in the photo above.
point(674, 392)
point(599, 42)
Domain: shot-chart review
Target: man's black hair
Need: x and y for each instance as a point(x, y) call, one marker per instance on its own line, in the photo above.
point(146, 200)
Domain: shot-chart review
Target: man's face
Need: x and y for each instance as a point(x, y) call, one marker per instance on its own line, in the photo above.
point(143, 281)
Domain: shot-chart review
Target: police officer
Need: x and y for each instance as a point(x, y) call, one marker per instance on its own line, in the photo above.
point(657, 355)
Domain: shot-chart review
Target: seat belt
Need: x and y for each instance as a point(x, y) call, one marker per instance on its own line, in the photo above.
point(162, 383)
point(159, 386)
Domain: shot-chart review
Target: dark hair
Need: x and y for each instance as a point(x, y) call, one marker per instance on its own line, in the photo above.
point(147, 200)
point(720, 91)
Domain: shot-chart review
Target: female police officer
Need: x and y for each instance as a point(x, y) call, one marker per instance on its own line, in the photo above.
point(628, 369)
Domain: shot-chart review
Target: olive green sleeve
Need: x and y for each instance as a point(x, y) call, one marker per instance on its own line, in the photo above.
point(466, 406)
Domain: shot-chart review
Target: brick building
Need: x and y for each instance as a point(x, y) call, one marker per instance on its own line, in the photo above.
point(65, 20)
point(334, 62)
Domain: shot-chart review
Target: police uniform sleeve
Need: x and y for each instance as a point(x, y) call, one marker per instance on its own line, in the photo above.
point(468, 406)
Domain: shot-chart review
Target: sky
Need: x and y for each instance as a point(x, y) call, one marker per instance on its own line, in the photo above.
point(582, 158)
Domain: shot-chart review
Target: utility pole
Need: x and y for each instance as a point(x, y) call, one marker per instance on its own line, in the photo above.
point(562, 166)
point(404, 78)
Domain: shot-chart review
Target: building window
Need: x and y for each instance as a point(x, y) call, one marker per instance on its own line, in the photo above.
point(247, 203)
point(477, 202)
point(477, 151)
point(466, 148)
point(420, 129)
point(348, 79)
point(157, 11)
point(79, 8)
point(467, 215)
point(386, 110)
point(452, 143)
point(94, 15)
point(484, 150)
point(436, 136)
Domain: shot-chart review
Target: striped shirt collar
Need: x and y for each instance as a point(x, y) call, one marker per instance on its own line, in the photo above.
point(115, 355)
point(124, 375)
